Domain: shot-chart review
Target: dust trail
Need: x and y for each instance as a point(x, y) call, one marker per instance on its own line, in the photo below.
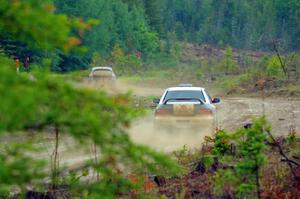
point(143, 131)
point(121, 86)
point(166, 140)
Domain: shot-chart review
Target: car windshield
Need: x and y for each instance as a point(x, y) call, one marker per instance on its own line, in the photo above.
point(184, 94)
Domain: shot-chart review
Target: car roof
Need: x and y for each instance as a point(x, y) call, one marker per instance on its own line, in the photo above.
point(185, 89)
point(185, 85)
point(101, 68)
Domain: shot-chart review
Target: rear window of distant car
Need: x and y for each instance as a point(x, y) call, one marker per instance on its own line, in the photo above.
point(184, 94)
point(102, 72)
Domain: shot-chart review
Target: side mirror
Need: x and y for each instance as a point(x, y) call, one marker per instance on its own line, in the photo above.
point(156, 101)
point(216, 100)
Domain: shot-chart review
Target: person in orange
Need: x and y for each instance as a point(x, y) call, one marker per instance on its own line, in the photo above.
point(18, 65)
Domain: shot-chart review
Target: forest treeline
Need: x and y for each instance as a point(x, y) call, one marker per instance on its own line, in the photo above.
point(144, 29)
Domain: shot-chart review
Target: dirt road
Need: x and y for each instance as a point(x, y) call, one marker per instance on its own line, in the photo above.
point(232, 113)
point(283, 114)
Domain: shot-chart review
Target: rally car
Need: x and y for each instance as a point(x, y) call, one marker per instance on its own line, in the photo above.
point(185, 106)
point(102, 77)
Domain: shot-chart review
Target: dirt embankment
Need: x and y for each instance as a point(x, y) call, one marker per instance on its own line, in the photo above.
point(196, 52)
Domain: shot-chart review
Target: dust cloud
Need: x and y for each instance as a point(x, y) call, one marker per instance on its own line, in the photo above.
point(144, 132)
point(121, 86)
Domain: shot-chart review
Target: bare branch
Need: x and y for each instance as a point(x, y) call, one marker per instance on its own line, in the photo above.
point(285, 157)
point(282, 64)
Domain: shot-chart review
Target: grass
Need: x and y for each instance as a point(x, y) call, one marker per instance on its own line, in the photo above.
point(166, 78)
point(232, 84)
point(294, 90)
point(238, 84)
point(147, 76)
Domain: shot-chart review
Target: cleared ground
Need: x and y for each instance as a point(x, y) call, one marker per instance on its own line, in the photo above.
point(232, 113)
point(283, 114)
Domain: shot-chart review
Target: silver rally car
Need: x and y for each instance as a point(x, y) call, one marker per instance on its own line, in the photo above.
point(102, 77)
point(185, 106)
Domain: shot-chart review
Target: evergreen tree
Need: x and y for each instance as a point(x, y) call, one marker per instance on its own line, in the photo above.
point(154, 14)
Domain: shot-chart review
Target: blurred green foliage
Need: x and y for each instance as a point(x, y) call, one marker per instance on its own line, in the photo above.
point(39, 101)
point(32, 22)
point(18, 168)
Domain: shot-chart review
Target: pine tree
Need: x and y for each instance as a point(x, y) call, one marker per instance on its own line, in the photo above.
point(154, 13)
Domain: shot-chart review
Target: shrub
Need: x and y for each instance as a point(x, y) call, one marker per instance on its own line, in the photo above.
point(250, 144)
point(274, 68)
point(40, 100)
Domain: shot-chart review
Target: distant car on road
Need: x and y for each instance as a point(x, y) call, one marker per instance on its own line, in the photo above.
point(185, 106)
point(102, 76)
